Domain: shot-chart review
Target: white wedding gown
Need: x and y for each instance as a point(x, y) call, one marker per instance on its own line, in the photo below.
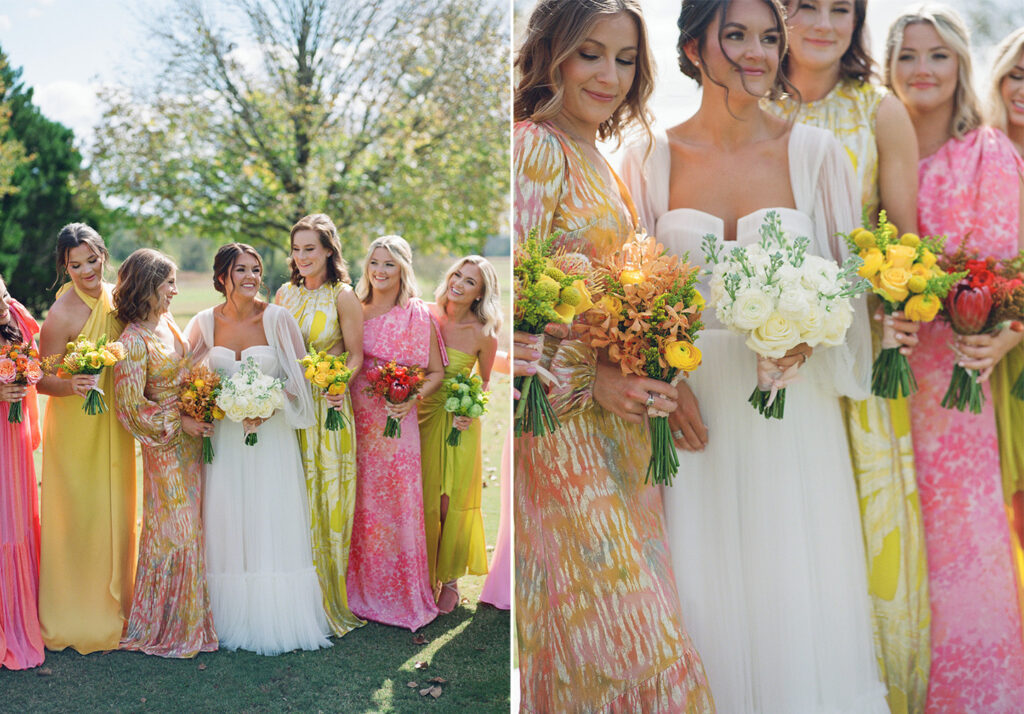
point(763, 525)
point(264, 590)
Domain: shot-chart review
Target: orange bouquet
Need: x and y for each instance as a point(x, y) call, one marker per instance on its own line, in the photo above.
point(199, 400)
point(19, 364)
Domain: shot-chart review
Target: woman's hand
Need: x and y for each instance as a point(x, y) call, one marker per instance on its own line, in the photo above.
point(462, 422)
point(249, 426)
point(629, 396)
point(776, 373)
point(398, 411)
point(82, 383)
point(983, 352)
point(193, 427)
point(12, 392)
point(335, 400)
point(898, 331)
point(689, 432)
point(527, 350)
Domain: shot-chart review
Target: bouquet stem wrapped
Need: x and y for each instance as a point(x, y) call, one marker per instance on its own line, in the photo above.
point(87, 357)
point(19, 364)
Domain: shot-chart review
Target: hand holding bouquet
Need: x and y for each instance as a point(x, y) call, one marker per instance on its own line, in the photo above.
point(87, 357)
point(331, 374)
point(19, 364)
point(250, 394)
point(464, 396)
point(904, 273)
point(395, 383)
point(550, 287)
point(780, 297)
point(199, 400)
point(648, 318)
point(989, 296)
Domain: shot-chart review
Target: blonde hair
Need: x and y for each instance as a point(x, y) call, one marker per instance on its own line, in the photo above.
point(487, 307)
point(399, 249)
point(954, 33)
point(1007, 55)
point(555, 30)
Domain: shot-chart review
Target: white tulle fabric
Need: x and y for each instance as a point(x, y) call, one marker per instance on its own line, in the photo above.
point(763, 525)
point(264, 590)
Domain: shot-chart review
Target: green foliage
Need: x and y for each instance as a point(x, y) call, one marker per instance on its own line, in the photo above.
point(12, 151)
point(51, 190)
point(389, 117)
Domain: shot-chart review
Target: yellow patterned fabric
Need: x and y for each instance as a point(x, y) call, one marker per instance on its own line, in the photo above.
point(1009, 414)
point(597, 614)
point(880, 444)
point(328, 457)
point(87, 514)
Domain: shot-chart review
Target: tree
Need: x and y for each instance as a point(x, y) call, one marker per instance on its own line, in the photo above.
point(51, 189)
point(390, 117)
point(991, 20)
point(12, 152)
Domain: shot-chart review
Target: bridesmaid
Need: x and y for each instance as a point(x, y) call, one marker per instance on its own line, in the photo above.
point(1006, 112)
point(87, 553)
point(170, 615)
point(597, 613)
point(829, 65)
point(969, 186)
point(468, 311)
point(388, 575)
point(320, 298)
point(21, 644)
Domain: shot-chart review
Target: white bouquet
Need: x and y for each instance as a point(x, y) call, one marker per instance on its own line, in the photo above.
point(779, 297)
point(250, 394)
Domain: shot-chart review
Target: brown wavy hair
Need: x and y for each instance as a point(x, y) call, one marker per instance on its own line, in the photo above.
point(73, 235)
point(10, 332)
point(225, 259)
point(856, 62)
point(555, 30)
point(323, 226)
point(138, 279)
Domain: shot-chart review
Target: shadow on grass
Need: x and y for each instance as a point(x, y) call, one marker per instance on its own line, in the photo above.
point(366, 671)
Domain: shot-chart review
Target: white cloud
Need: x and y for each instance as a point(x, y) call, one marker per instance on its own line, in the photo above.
point(5, 22)
point(73, 104)
point(44, 2)
point(34, 12)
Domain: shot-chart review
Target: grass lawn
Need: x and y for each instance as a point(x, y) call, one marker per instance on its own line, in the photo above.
point(368, 670)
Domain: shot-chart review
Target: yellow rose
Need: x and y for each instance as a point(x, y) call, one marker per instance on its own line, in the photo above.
point(918, 269)
point(910, 239)
point(893, 284)
point(310, 372)
point(872, 262)
point(682, 355)
point(922, 308)
point(863, 238)
point(927, 258)
point(95, 360)
point(901, 256)
point(631, 277)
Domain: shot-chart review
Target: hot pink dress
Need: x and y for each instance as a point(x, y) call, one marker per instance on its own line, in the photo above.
point(498, 586)
point(21, 644)
point(968, 187)
point(388, 579)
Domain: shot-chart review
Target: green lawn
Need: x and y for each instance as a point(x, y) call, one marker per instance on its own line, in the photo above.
point(368, 670)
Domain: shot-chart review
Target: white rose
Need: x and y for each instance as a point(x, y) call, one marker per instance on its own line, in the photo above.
point(751, 308)
point(837, 322)
point(775, 337)
point(812, 324)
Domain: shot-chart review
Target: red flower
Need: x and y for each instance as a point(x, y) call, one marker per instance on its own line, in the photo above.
point(976, 266)
point(982, 278)
point(968, 307)
point(398, 393)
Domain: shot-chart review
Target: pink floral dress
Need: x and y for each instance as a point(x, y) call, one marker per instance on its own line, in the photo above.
point(388, 578)
point(969, 187)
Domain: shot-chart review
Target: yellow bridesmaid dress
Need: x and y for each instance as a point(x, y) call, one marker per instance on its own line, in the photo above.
point(87, 514)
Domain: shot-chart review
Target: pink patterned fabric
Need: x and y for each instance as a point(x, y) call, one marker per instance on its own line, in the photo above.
point(968, 187)
point(388, 579)
point(498, 586)
point(21, 644)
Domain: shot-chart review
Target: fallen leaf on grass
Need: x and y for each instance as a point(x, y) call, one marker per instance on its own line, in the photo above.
point(422, 665)
point(438, 680)
point(44, 672)
point(419, 640)
point(435, 691)
point(412, 685)
point(425, 692)
point(480, 649)
point(202, 667)
point(143, 700)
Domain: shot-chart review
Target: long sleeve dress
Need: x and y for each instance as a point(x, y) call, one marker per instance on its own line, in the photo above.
point(881, 447)
point(328, 457)
point(170, 614)
point(21, 643)
point(456, 472)
point(388, 575)
point(763, 525)
point(969, 187)
point(87, 512)
point(597, 613)
point(264, 589)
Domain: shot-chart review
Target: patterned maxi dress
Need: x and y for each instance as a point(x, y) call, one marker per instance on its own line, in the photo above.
point(880, 443)
point(456, 472)
point(87, 511)
point(597, 613)
point(170, 614)
point(388, 577)
point(968, 186)
point(328, 457)
point(21, 644)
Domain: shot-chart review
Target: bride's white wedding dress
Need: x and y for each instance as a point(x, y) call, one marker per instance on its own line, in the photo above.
point(763, 525)
point(264, 590)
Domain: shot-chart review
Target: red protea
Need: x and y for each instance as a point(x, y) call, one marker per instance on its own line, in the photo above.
point(968, 307)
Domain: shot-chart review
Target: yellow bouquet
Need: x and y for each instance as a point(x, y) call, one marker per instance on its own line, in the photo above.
point(87, 357)
point(331, 374)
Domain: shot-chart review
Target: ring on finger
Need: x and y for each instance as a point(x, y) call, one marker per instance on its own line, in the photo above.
point(677, 434)
point(650, 400)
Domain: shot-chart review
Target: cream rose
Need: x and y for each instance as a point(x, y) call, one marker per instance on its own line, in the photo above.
point(775, 337)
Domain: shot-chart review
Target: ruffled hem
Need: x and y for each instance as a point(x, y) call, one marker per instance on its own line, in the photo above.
point(21, 643)
point(269, 613)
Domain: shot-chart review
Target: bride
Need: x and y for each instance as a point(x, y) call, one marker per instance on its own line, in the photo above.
point(763, 522)
point(264, 590)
